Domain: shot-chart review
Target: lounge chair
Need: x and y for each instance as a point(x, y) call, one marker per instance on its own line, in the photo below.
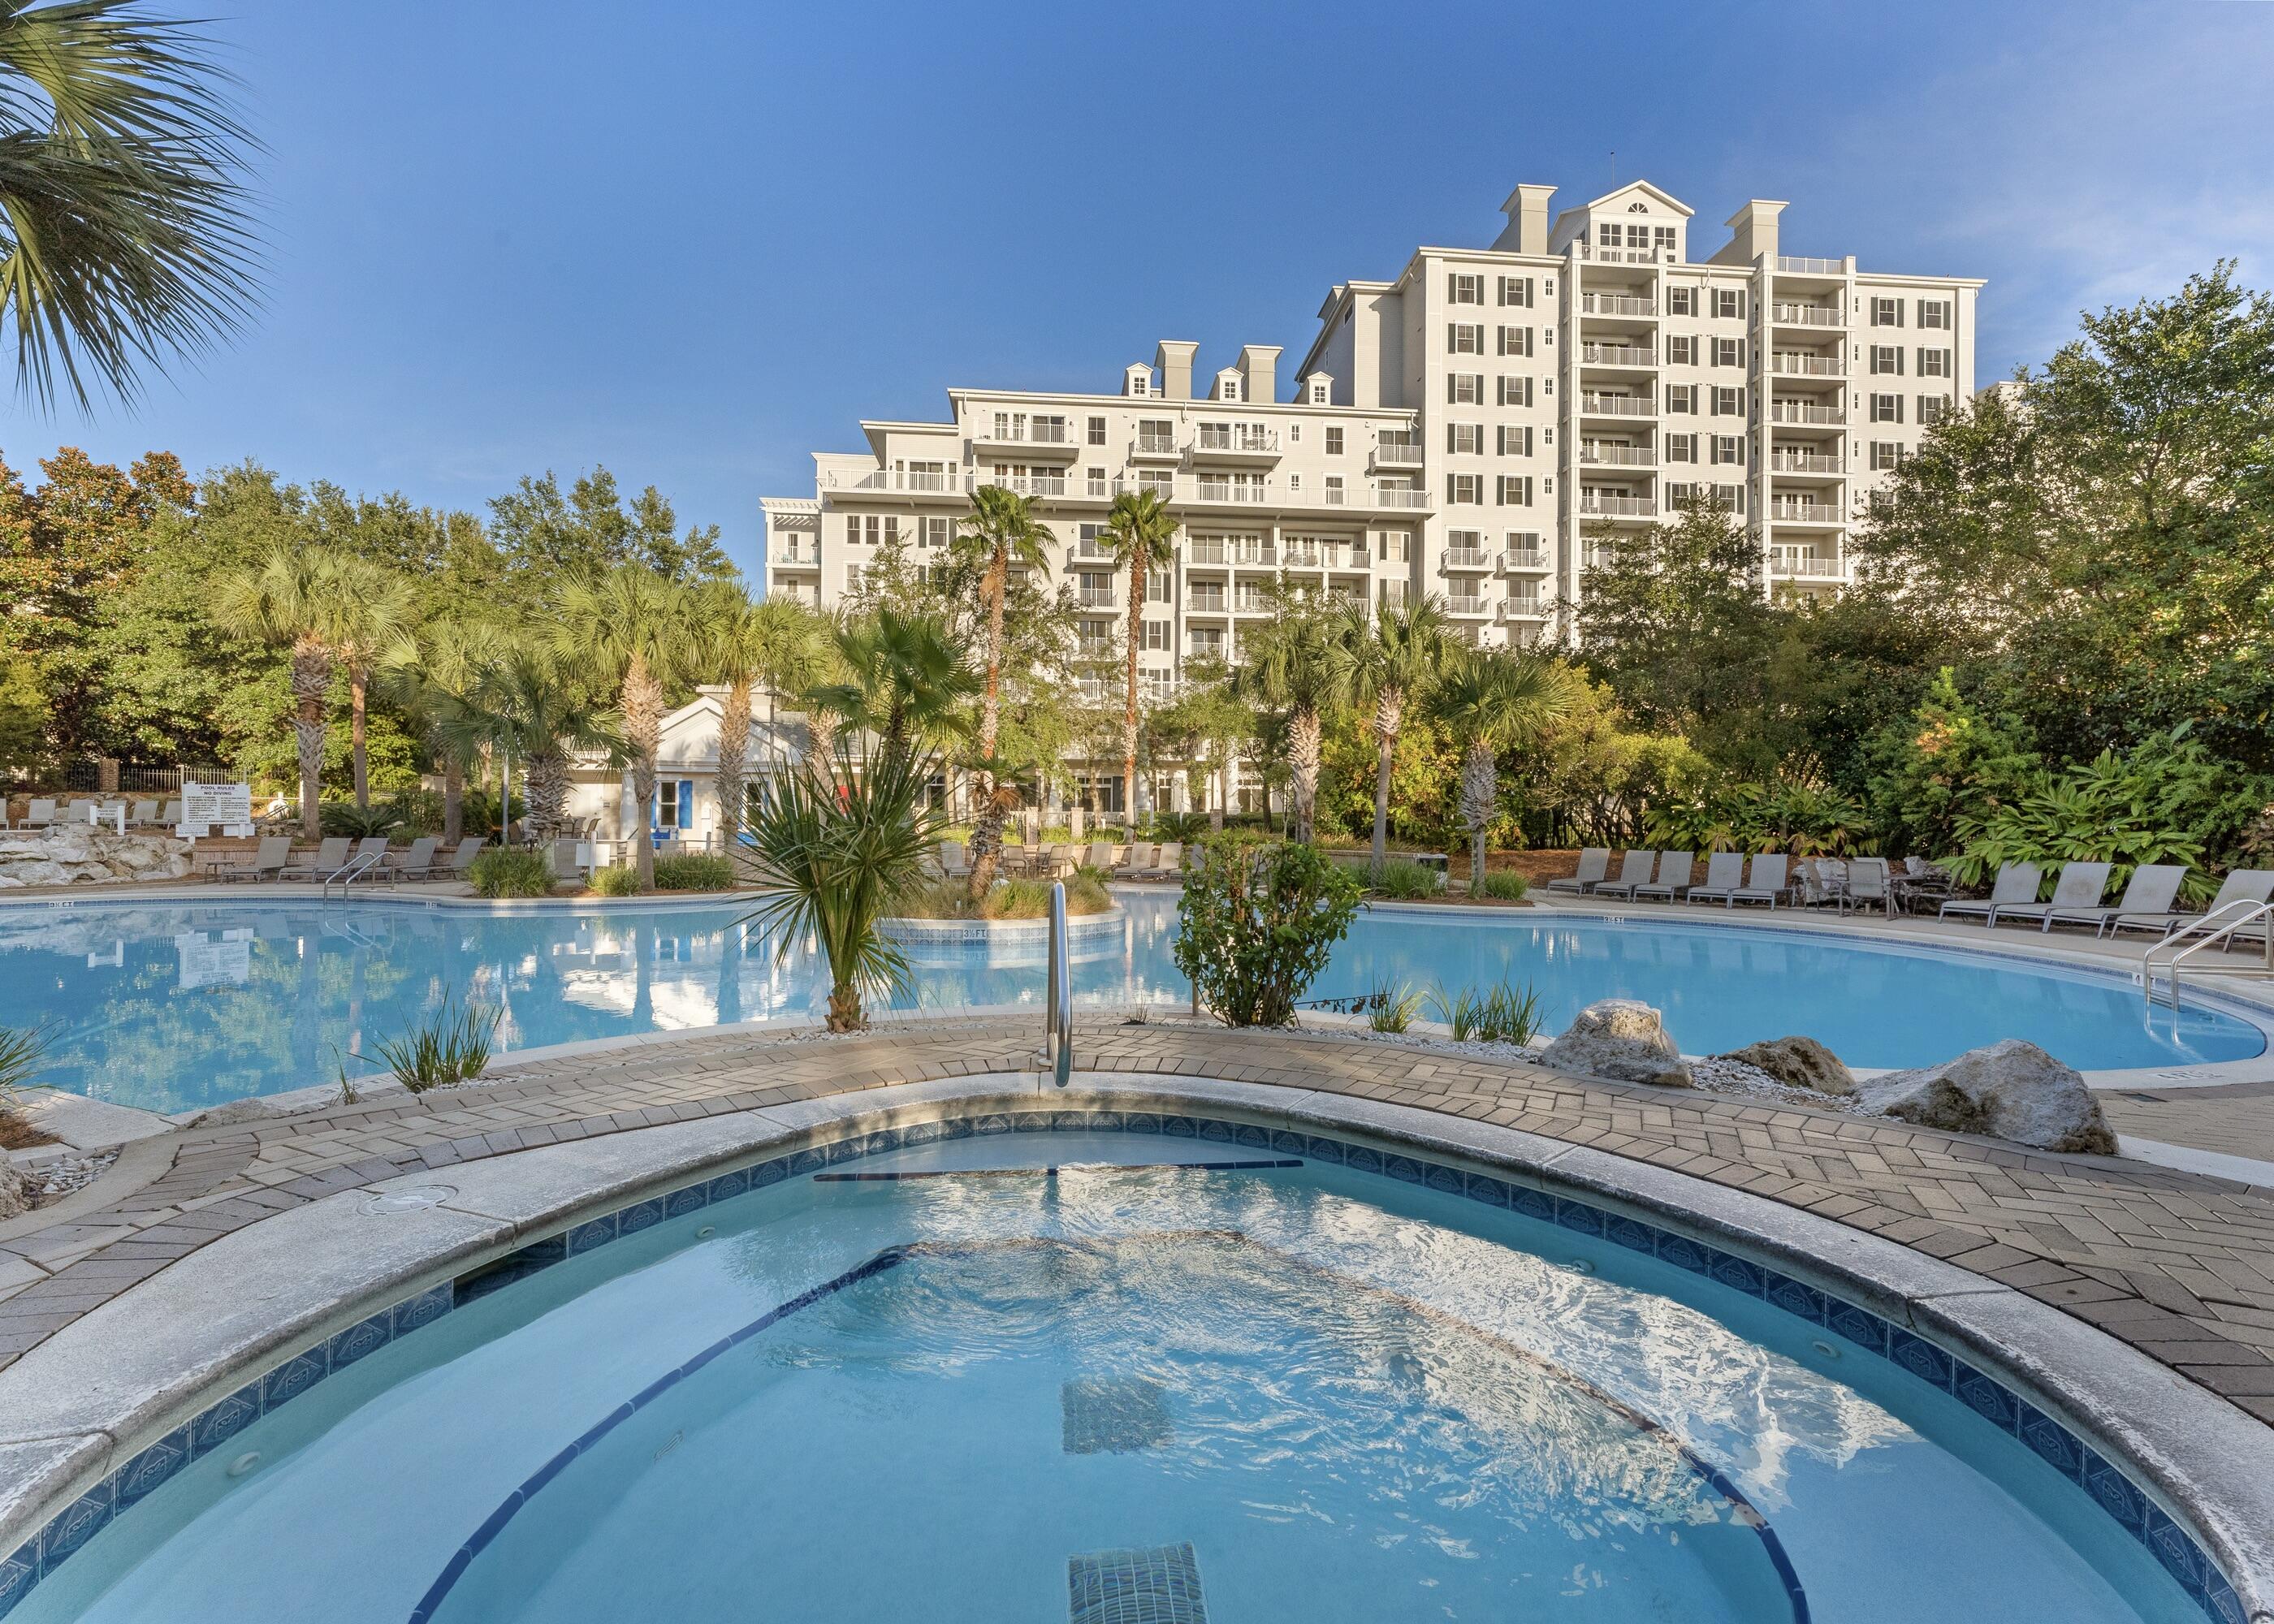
point(1101, 856)
point(1135, 861)
point(322, 863)
point(1867, 886)
point(418, 861)
point(76, 810)
point(1725, 873)
point(2152, 889)
point(1768, 882)
point(2241, 885)
point(462, 859)
point(142, 814)
point(1818, 881)
point(171, 817)
point(1594, 864)
point(2017, 883)
point(1168, 863)
point(2080, 886)
point(1674, 871)
point(954, 860)
point(1634, 869)
point(39, 814)
point(268, 861)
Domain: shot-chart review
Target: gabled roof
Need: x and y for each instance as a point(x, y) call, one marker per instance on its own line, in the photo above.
point(1658, 193)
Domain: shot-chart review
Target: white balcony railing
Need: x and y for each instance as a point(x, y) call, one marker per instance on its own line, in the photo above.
point(1601, 504)
point(1804, 512)
point(1517, 560)
point(1615, 304)
point(1393, 594)
point(1208, 551)
point(1098, 598)
point(1617, 355)
point(1620, 456)
point(1466, 603)
point(1468, 557)
point(1795, 564)
point(1802, 463)
point(1618, 405)
point(1154, 445)
point(1400, 496)
point(1390, 453)
point(1245, 437)
point(1624, 256)
point(1027, 432)
point(1208, 489)
point(1025, 484)
point(1794, 365)
point(1803, 266)
point(948, 483)
point(1809, 315)
point(798, 558)
point(1522, 606)
point(1805, 411)
point(1204, 602)
point(1301, 558)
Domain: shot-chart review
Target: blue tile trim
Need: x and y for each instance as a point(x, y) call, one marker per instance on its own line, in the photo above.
point(2124, 1501)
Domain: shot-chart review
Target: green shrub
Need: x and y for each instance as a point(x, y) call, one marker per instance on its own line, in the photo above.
point(1502, 1015)
point(694, 871)
point(454, 1047)
point(1256, 923)
point(1403, 881)
point(1502, 885)
point(22, 1048)
point(1392, 1009)
point(344, 817)
point(616, 880)
point(1007, 900)
point(510, 871)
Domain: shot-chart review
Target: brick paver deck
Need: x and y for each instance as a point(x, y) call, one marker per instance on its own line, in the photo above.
point(2179, 1266)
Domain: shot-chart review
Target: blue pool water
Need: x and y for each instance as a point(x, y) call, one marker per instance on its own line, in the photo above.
point(178, 1007)
point(1326, 1397)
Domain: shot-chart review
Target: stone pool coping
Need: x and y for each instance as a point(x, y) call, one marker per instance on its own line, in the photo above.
point(126, 1374)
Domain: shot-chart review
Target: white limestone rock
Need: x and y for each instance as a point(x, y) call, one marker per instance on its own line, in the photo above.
point(2010, 1090)
point(1796, 1063)
point(78, 855)
point(1623, 1040)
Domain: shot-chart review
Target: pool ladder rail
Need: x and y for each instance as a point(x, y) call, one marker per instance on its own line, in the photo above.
point(348, 873)
point(2185, 939)
point(1057, 1018)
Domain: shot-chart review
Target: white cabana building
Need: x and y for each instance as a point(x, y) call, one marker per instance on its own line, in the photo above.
point(685, 807)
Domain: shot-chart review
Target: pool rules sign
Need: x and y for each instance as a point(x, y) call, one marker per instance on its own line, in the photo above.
point(206, 806)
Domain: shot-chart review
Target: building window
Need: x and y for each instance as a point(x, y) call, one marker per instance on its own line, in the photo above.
point(1466, 290)
point(1334, 490)
point(1681, 397)
point(860, 531)
point(1467, 489)
point(1887, 408)
point(1514, 491)
point(1094, 483)
point(1515, 439)
point(1319, 392)
point(1682, 352)
point(1886, 454)
point(1681, 301)
point(1207, 642)
point(935, 532)
point(1682, 447)
point(1887, 312)
point(1157, 586)
point(1729, 303)
point(1396, 547)
point(1932, 409)
point(1465, 439)
point(1465, 389)
point(1516, 290)
point(1156, 637)
point(1728, 498)
point(1516, 340)
point(1729, 402)
point(1230, 387)
point(1465, 337)
point(1097, 436)
point(1335, 440)
point(1515, 391)
point(1933, 364)
point(1887, 359)
point(1934, 313)
point(1663, 240)
point(1729, 449)
point(1728, 352)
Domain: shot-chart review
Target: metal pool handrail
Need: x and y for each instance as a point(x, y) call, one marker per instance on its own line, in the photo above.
point(349, 872)
point(2210, 935)
point(1057, 1033)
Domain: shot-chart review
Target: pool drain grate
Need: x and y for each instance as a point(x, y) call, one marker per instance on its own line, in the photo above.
point(1116, 1414)
point(1160, 1585)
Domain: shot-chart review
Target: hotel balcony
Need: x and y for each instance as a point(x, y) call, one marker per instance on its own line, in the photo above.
point(1155, 449)
point(1098, 598)
point(1787, 364)
point(1608, 505)
point(1522, 606)
point(1807, 414)
point(1617, 355)
point(1389, 453)
point(1800, 564)
point(1594, 255)
point(1785, 314)
point(1468, 558)
point(1028, 440)
point(1523, 561)
point(1789, 510)
point(948, 486)
point(1617, 305)
point(1783, 460)
point(1800, 264)
point(1617, 406)
point(1034, 485)
point(1619, 456)
point(1467, 606)
point(1236, 445)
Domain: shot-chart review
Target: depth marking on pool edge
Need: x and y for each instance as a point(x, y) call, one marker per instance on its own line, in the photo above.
point(1742, 1510)
point(1052, 1172)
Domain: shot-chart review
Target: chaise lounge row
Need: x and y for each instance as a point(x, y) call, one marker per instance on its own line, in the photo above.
point(2148, 902)
point(340, 855)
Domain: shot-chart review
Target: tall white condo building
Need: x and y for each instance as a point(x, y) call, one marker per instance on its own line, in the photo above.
point(1470, 429)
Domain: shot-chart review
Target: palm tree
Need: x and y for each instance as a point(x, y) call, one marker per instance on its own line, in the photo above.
point(1291, 667)
point(1492, 699)
point(375, 605)
point(774, 641)
point(1387, 661)
point(436, 673)
point(298, 597)
point(1000, 531)
point(124, 233)
point(1139, 533)
point(835, 848)
point(634, 627)
point(905, 680)
point(530, 703)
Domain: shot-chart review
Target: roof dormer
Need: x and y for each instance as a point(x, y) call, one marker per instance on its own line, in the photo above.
point(1231, 385)
point(1137, 380)
point(1316, 389)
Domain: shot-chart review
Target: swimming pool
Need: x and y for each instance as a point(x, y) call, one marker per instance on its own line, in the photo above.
point(974, 1374)
point(178, 1006)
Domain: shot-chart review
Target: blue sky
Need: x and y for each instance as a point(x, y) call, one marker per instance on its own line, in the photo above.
point(697, 242)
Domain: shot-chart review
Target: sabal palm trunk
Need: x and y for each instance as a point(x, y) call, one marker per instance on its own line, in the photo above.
point(545, 786)
point(1302, 762)
point(844, 1012)
point(1223, 787)
point(1389, 712)
point(820, 740)
point(311, 685)
point(1479, 791)
point(643, 709)
point(454, 797)
point(1138, 562)
point(987, 827)
point(359, 761)
point(733, 754)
